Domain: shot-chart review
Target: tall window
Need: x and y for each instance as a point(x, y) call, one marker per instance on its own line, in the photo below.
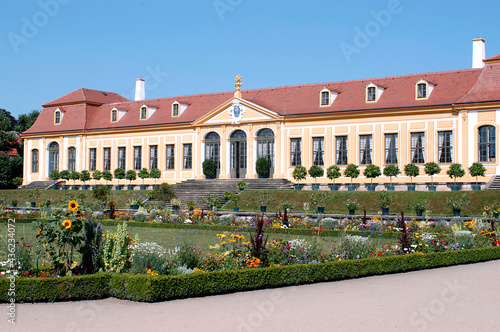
point(365, 149)
point(417, 148)
point(137, 157)
point(422, 90)
point(265, 146)
point(114, 115)
point(92, 159)
point(212, 148)
point(34, 161)
point(325, 98)
point(445, 146)
point(71, 159)
point(175, 110)
point(107, 159)
point(372, 96)
point(57, 117)
point(487, 146)
point(391, 148)
point(295, 152)
point(170, 156)
point(318, 151)
point(121, 158)
point(341, 150)
point(153, 156)
point(188, 156)
point(144, 113)
point(53, 156)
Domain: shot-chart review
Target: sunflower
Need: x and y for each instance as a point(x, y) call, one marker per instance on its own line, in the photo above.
point(79, 212)
point(67, 224)
point(486, 208)
point(39, 231)
point(73, 206)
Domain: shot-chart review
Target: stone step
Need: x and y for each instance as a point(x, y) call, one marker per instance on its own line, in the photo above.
point(41, 185)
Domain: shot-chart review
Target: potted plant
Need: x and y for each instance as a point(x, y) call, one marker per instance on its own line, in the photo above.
point(371, 171)
point(262, 167)
point(352, 172)
point(411, 170)
point(457, 204)
point(14, 202)
point(54, 175)
point(315, 172)
point(232, 198)
point(33, 196)
point(262, 199)
point(84, 177)
point(190, 205)
point(175, 202)
point(134, 203)
point(107, 176)
point(74, 175)
point(419, 207)
point(17, 181)
point(299, 173)
point(150, 195)
point(390, 171)
point(477, 169)
point(119, 174)
point(333, 172)
point(212, 200)
point(385, 201)
point(319, 199)
point(241, 185)
point(143, 174)
point(65, 176)
point(431, 168)
point(352, 206)
point(209, 169)
point(155, 173)
point(130, 175)
point(455, 171)
point(96, 175)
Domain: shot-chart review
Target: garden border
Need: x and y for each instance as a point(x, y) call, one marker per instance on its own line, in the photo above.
point(146, 288)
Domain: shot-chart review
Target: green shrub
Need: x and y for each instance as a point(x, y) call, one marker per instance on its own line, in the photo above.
point(431, 168)
point(164, 192)
point(333, 172)
point(351, 171)
point(316, 172)
point(477, 169)
point(262, 167)
point(411, 170)
point(299, 173)
point(372, 171)
point(455, 171)
point(209, 168)
point(391, 170)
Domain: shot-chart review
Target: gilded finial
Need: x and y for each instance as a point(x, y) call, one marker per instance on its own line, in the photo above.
point(238, 86)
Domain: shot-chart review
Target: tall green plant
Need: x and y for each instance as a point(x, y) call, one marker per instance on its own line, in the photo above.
point(351, 171)
point(316, 172)
point(455, 171)
point(477, 169)
point(299, 173)
point(371, 171)
point(391, 170)
point(115, 253)
point(431, 168)
point(333, 172)
point(143, 174)
point(119, 174)
point(411, 170)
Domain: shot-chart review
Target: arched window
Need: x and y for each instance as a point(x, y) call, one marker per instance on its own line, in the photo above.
point(265, 147)
point(53, 157)
point(34, 161)
point(238, 153)
point(57, 117)
point(114, 115)
point(71, 159)
point(487, 146)
point(212, 148)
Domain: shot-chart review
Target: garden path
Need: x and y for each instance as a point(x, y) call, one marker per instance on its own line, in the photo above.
point(458, 298)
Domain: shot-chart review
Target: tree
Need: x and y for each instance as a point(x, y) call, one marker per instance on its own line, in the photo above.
point(164, 192)
point(262, 167)
point(119, 174)
point(85, 176)
point(455, 171)
point(351, 171)
point(155, 173)
point(131, 175)
point(333, 172)
point(54, 175)
point(143, 174)
point(477, 169)
point(64, 175)
point(25, 121)
point(97, 175)
point(411, 170)
point(10, 168)
point(74, 176)
point(316, 172)
point(9, 139)
point(107, 175)
point(371, 171)
point(299, 173)
point(431, 168)
point(391, 170)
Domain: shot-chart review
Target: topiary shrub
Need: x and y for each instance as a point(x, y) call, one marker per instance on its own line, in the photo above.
point(351, 171)
point(333, 172)
point(372, 171)
point(455, 171)
point(411, 170)
point(209, 168)
point(299, 173)
point(477, 169)
point(316, 172)
point(391, 170)
point(431, 168)
point(262, 167)
point(164, 192)
point(119, 174)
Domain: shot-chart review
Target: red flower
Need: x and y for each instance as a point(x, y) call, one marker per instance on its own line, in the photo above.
point(379, 254)
point(148, 267)
point(43, 277)
point(341, 228)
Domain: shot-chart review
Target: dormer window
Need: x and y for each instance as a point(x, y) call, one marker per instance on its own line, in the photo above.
point(175, 109)
point(423, 89)
point(58, 116)
point(114, 115)
point(144, 113)
point(373, 93)
point(325, 98)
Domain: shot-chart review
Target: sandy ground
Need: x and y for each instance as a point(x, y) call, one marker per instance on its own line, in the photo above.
point(459, 298)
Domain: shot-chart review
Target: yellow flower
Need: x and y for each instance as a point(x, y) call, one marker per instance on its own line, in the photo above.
point(246, 243)
point(486, 208)
point(73, 206)
point(221, 236)
point(223, 243)
point(152, 272)
point(67, 224)
point(39, 231)
point(232, 241)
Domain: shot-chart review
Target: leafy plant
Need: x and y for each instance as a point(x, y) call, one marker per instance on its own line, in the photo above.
point(55, 175)
point(419, 206)
point(316, 172)
point(74, 175)
point(299, 173)
point(115, 254)
point(232, 197)
point(351, 171)
point(64, 174)
point(385, 199)
point(155, 173)
point(101, 193)
point(211, 200)
point(262, 166)
point(411, 170)
point(455, 171)
point(320, 198)
point(143, 174)
point(333, 172)
point(209, 168)
point(372, 171)
point(119, 174)
point(131, 175)
point(17, 181)
point(391, 170)
point(191, 205)
point(175, 202)
point(91, 249)
point(431, 168)
point(107, 176)
point(477, 169)
point(262, 198)
point(164, 192)
point(258, 242)
point(351, 204)
point(33, 195)
point(241, 185)
point(457, 203)
point(84, 176)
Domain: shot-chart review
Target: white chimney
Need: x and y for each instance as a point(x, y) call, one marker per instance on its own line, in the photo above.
point(140, 91)
point(478, 53)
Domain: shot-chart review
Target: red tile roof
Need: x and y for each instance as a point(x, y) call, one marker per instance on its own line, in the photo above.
point(88, 110)
point(493, 58)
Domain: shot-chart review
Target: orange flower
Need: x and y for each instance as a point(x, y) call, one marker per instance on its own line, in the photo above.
point(67, 224)
point(73, 206)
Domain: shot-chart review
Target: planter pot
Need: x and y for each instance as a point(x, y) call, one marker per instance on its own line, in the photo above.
point(371, 187)
point(236, 209)
point(263, 208)
point(455, 188)
point(109, 186)
point(208, 177)
point(74, 187)
point(334, 187)
point(118, 187)
point(63, 187)
point(212, 207)
point(84, 187)
point(315, 186)
point(411, 187)
point(351, 212)
point(419, 213)
point(476, 187)
point(263, 176)
point(130, 187)
point(390, 188)
point(456, 212)
point(33, 204)
point(54, 187)
point(298, 187)
point(14, 205)
point(385, 211)
point(94, 187)
point(175, 208)
point(191, 209)
point(134, 206)
point(321, 209)
point(432, 187)
point(351, 187)
point(142, 187)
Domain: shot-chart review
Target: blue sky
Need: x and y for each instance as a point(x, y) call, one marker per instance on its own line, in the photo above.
point(52, 47)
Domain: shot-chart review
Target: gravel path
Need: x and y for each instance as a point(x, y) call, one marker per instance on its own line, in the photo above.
point(458, 298)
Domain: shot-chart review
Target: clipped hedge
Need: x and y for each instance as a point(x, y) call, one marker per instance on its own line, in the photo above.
point(161, 288)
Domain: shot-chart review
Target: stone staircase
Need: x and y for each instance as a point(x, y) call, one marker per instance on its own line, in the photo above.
point(494, 183)
point(40, 185)
point(195, 190)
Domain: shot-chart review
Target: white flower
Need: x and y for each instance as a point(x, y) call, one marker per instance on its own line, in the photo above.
point(188, 221)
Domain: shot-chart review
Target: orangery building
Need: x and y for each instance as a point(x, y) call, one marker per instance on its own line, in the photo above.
point(444, 117)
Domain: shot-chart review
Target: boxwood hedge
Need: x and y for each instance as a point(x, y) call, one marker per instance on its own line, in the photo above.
point(160, 288)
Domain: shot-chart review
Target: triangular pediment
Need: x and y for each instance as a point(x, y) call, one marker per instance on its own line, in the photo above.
point(238, 110)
